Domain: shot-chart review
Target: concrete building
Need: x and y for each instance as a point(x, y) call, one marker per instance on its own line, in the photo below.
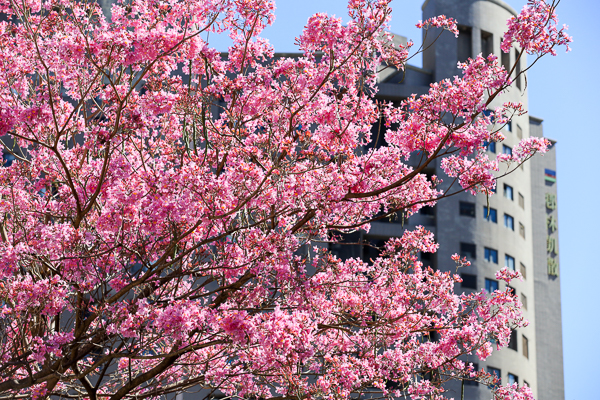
point(515, 228)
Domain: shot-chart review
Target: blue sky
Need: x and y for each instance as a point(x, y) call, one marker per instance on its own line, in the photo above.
point(563, 92)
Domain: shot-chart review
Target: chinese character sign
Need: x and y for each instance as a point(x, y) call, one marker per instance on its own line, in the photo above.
point(551, 223)
point(551, 234)
point(551, 201)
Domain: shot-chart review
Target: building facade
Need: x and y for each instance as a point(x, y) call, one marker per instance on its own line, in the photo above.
point(516, 228)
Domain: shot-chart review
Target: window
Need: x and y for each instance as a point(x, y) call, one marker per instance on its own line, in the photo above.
point(509, 262)
point(347, 247)
point(521, 201)
point(497, 374)
point(519, 132)
point(490, 255)
point(371, 248)
point(511, 290)
point(525, 346)
point(505, 59)
point(491, 146)
point(509, 222)
point(467, 209)
point(469, 281)
point(489, 113)
point(473, 382)
point(508, 126)
point(508, 192)
point(523, 271)
point(464, 49)
point(512, 344)
point(487, 43)
point(525, 383)
point(524, 301)
point(468, 250)
point(491, 214)
point(427, 210)
point(491, 285)
point(506, 150)
point(522, 230)
point(429, 214)
point(434, 336)
point(512, 379)
point(377, 136)
point(7, 159)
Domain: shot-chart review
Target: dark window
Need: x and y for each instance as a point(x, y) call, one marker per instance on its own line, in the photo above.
point(505, 59)
point(371, 248)
point(490, 255)
point(487, 43)
point(468, 250)
point(512, 379)
point(497, 374)
point(347, 247)
point(434, 336)
point(377, 135)
point(491, 215)
point(525, 345)
point(509, 262)
point(427, 210)
point(506, 150)
point(509, 222)
point(464, 44)
point(473, 382)
point(508, 191)
point(467, 209)
point(491, 285)
point(512, 344)
point(469, 281)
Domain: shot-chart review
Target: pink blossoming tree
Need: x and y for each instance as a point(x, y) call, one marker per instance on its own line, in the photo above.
point(152, 219)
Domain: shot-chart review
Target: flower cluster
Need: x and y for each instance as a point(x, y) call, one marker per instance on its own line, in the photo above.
point(440, 21)
point(535, 30)
point(156, 223)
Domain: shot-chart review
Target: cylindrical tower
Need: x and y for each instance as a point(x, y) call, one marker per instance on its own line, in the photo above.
point(497, 231)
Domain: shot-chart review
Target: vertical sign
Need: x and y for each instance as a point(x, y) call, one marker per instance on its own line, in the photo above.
point(552, 231)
